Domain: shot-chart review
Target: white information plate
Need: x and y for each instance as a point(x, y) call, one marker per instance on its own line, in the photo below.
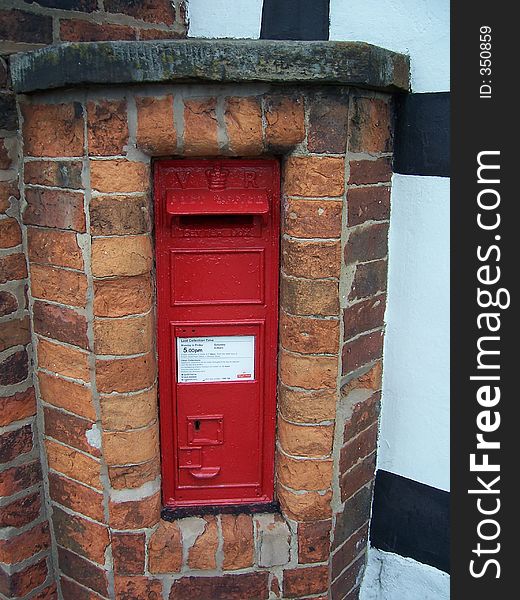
point(211, 359)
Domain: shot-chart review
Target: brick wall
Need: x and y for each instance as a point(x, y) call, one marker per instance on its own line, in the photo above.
point(87, 205)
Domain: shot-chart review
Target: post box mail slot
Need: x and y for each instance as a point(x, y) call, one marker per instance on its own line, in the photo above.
point(217, 251)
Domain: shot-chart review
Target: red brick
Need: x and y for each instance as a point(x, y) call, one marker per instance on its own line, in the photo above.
point(14, 368)
point(307, 406)
point(305, 581)
point(358, 447)
point(362, 350)
point(308, 335)
point(8, 189)
point(16, 479)
point(128, 553)
point(21, 26)
point(253, 586)
point(367, 243)
point(349, 551)
point(64, 174)
point(63, 360)
point(123, 296)
point(356, 512)
point(12, 267)
point(83, 537)
point(347, 580)
point(243, 118)
point(238, 540)
point(309, 297)
point(73, 397)
point(370, 128)
point(200, 127)
point(24, 581)
point(364, 414)
point(358, 476)
point(202, 554)
point(15, 332)
point(70, 589)
point(22, 511)
point(119, 215)
point(309, 372)
point(308, 506)
point(119, 175)
point(49, 593)
point(133, 476)
point(364, 316)
point(314, 176)
point(8, 303)
point(328, 123)
point(60, 323)
point(369, 279)
point(314, 541)
point(107, 127)
point(76, 30)
point(153, 11)
point(312, 260)
point(17, 407)
point(307, 218)
point(51, 247)
point(53, 129)
point(285, 121)
point(310, 441)
point(137, 588)
point(136, 514)
point(10, 233)
point(58, 285)
point(156, 132)
point(126, 374)
point(60, 209)
point(84, 572)
point(69, 429)
point(76, 497)
point(15, 443)
point(6, 161)
point(23, 546)
point(363, 172)
point(368, 204)
point(73, 463)
point(165, 549)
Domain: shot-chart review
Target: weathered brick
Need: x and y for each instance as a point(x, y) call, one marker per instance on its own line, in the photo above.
point(368, 204)
point(309, 297)
point(15, 332)
point(309, 336)
point(84, 572)
point(53, 129)
point(313, 176)
point(349, 551)
point(156, 133)
point(305, 218)
point(8, 189)
point(21, 582)
point(60, 323)
point(14, 368)
point(369, 279)
point(21, 26)
point(300, 474)
point(74, 464)
point(58, 285)
point(48, 593)
point(132, 335)
point(107, 127)
point(285, 121)
point(125, 374)
point(364, 316)
point(119, 175)
point(307, 580)
point(119, 215)
point(200, 127)
point(63, 360)
point(370, 128)
point(82, 536)
point(358, 448)
point(243, 119)
point(328, 123)
point(362, 350)
point(15, 443)
point(133, 588)
point(309, 440)
point(12, 267)
point(6, 159)
point(61, 209)
point(10, 233)
point(76, 497)
point(21, 547)
point(238, 549)
point(76, 30)
point(64, 174)
point(70, 589)
point(128, 553)
point(115, 256)
point(253, 586)
point(134, 476)
point(159, 34)
point(165, 549)
point(17, 407)
point(123, 296)
point(273, 540)
point(69, 430)
point(367, 243)
point(58, 248)
point(22, 511)
point(356, 512)
point(153, 11)
point(311, 259)
point(310, 506)
point(120, 412)
point(314, 541)
point(131, 447)
point(19, 478)
point(309, 372)
point(363, 172)
point(364, 414)
point(347, 581)
point(304, 406)
point(358, 476)
point(202, 554)
point(8, 303)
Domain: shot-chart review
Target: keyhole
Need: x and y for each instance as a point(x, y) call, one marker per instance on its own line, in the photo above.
point(197, 425)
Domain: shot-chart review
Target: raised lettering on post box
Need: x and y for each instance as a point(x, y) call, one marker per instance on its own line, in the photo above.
point(217, 258)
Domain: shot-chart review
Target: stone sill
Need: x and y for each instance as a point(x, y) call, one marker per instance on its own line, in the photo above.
point(353, 64)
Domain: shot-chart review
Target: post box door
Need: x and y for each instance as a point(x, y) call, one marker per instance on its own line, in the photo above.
point(217, 260)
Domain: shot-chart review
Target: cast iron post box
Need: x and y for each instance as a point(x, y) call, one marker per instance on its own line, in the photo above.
point(217, 259)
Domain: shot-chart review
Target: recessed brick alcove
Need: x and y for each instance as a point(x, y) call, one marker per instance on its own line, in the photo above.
point(88, 149)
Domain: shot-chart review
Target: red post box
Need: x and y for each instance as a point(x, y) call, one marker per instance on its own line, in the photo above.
point(217, 246)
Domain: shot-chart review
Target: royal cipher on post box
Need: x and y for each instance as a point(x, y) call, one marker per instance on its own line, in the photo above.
point(217, 244)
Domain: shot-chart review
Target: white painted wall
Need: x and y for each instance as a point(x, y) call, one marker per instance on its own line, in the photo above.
point(392, 577)
point(225, 18)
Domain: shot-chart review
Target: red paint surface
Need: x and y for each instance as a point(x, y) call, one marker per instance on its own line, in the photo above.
point(217, 258)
